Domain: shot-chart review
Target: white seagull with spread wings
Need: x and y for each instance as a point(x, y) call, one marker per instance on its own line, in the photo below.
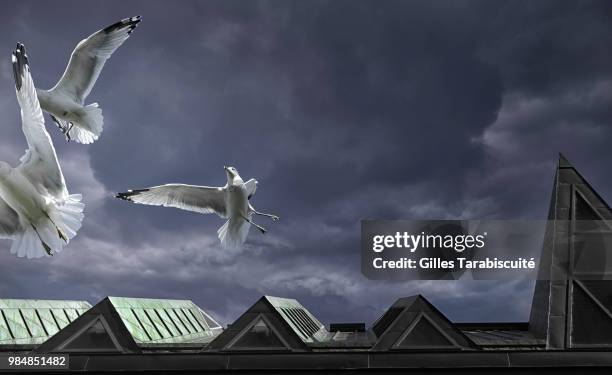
point(229, 202)
point(65, 101)
point(36, 210)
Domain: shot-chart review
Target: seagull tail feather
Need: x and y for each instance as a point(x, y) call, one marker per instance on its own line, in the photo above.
point(68, 217)
point(233, 233)
point(51, 232)
point(89, 127)
point(28, 244)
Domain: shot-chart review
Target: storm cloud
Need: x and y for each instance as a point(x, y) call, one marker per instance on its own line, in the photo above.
point(343, 110)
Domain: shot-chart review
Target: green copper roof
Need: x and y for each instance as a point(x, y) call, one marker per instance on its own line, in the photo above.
point(31, 322)
point(303, 323)
point(167, 322)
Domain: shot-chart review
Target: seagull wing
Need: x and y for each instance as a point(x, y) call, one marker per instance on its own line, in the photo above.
point(89, 57)
point(39, 164)
point(9, 221)
point(251, 187)
point(202, 199)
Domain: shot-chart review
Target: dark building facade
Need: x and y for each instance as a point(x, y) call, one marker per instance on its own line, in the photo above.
point(570, 326)
point(572, 301)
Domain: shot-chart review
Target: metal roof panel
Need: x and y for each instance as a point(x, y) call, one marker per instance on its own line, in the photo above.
point(30, 322)
point(301, 321)
point(164, 322)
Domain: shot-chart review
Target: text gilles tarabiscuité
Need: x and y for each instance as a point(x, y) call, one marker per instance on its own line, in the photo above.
point(458, 243)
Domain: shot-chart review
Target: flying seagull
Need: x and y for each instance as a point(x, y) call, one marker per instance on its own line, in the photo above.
point(229, 202)
point(36, 210)
point(65, 101)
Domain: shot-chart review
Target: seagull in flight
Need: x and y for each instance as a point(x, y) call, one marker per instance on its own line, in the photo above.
point(36, 210)
point(65, 101)
point(230, 202)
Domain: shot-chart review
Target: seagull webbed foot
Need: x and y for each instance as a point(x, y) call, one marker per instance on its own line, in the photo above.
point(47, 249)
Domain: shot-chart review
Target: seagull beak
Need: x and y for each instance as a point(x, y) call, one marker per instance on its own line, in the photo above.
point(225, 167)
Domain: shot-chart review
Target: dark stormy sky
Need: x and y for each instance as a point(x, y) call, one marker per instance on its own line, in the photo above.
point(342, 110)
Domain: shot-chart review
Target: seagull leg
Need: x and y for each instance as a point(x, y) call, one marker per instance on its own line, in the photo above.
point(45, 246)
point(59, 124)
point(60, 232)
point(262, 229)
point(67, 131)
point(253, 210)
point(64, 129)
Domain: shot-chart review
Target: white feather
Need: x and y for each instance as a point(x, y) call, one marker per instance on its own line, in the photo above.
point(36, 210)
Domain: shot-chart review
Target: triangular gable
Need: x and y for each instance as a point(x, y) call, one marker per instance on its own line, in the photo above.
point(212, 324)
point(414, 323)
point(424, 333)
point(93, 337)
point(576, 258)
point(238, 332)
point(260, 334)
point(91, 332)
